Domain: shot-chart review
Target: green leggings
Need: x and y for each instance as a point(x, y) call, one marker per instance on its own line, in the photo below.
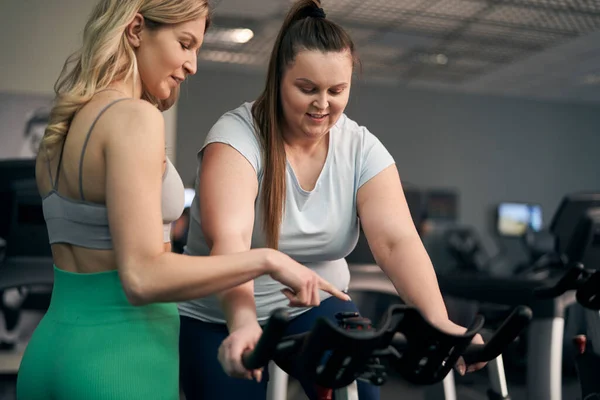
point(93, 344)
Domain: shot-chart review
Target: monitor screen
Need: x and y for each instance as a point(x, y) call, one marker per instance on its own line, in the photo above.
point(515, 218)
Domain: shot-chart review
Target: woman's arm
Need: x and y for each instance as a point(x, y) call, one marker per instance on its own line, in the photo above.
point(227, 192)
point(134, 153)
point(396, 245)
point(399, 251)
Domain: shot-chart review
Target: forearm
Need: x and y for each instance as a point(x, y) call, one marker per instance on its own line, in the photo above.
point(409, 267)
point(174, 277)
point(238, 305)
point(238, 302)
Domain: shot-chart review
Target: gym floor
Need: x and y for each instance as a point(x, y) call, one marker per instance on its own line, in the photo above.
point(470, 387)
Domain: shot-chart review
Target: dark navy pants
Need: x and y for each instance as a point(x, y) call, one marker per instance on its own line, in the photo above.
point(202, 376)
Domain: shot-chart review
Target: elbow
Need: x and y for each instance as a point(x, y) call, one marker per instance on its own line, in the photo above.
point(136, 290)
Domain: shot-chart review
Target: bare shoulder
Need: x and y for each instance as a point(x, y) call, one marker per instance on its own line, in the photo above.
point(134, 121)
point(134, 113)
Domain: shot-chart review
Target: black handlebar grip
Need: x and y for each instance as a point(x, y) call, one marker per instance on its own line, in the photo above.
point(505, 335)
point(267, 344)
point(588, 294)
point(566, 283)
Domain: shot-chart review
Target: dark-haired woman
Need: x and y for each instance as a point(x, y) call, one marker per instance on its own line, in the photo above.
point(291, 171)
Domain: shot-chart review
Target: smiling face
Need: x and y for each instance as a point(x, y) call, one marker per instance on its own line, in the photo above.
point(167, 55)
point(314, 92)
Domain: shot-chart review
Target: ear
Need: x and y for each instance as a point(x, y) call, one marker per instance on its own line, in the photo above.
point(134, 29)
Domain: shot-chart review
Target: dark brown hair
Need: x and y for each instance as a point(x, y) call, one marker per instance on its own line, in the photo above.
point(305, 28)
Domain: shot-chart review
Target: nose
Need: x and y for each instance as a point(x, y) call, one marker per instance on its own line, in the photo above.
point(322, 101)
point(191, 65)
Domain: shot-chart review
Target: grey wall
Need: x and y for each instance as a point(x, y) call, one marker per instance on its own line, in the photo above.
point(491, 149)
point(36, 37)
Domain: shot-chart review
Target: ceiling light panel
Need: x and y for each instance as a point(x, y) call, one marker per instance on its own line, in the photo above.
point(545, 19)
point(396, 5)
point(381, 12)
point(456, 8)
point(592, 6)
point(487, 31)
point(374, 16)
point(429, 25)
point(340, 8)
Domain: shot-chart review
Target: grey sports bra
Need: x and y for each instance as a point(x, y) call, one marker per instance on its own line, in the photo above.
point(85, 224)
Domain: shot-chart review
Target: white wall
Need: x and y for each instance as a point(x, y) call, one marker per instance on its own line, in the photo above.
point(36, 37)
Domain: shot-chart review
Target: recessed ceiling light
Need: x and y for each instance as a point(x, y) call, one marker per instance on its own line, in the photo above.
point(435, 59)
point(241, 35)
point(225, 36)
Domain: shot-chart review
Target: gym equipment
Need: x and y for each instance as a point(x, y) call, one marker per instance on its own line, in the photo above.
point(405, 343)
point(581, 251)
point(545, 333)
point(27, 256)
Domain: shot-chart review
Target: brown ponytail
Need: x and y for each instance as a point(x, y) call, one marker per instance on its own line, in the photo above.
point(305, 28)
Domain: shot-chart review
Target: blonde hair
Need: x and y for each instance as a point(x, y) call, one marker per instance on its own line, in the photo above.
point(106, 56)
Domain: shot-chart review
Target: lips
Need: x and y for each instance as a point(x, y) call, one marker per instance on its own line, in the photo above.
point(317, 117)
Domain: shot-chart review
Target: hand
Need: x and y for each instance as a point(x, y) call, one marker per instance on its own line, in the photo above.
point(462, 368)
point(452, 328)
point(230, 352)
point(302, 283)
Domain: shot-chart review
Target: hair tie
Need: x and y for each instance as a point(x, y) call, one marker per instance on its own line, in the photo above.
point(317, 12)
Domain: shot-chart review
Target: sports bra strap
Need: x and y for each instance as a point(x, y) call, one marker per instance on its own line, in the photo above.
point(86, 142)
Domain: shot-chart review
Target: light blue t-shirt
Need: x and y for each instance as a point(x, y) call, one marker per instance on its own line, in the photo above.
point(319, 227)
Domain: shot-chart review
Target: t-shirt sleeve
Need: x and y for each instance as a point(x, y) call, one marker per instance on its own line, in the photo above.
point(237, 132)
point(374, 158)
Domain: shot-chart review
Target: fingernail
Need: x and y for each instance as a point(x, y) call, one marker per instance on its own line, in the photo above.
point(461, 370)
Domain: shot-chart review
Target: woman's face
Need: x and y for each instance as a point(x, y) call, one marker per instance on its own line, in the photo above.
point(314, 92)
point(166, 56)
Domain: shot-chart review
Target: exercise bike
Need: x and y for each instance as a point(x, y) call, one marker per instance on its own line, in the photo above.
point(582, 251)
point(586, 284)
point(334, 356)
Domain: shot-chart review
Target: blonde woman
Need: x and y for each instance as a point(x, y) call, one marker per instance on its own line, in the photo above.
point(109, 196)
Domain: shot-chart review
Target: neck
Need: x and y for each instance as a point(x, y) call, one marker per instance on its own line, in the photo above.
point(305, 146)
point(127, 87)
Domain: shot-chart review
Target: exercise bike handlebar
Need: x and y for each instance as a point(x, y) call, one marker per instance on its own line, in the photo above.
point(405, 340)
point(502, 338)
point(585, 282)
point(266, 347)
